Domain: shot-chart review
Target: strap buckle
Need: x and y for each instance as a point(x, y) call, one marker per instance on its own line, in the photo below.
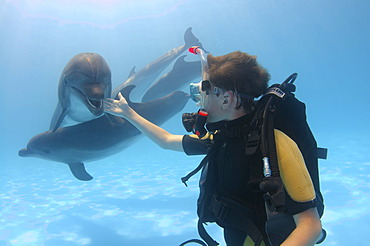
point(276, 91)
point(219, 209)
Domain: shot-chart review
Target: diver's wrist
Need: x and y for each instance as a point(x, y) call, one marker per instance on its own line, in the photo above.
point(128, 113)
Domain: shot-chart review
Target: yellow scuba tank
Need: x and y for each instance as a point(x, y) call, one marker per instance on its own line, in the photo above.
point(293, 171)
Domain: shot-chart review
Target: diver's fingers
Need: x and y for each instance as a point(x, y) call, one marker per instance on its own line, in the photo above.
point(108, 100)
point(110, 105)
point(122, 100)
point(106, 106)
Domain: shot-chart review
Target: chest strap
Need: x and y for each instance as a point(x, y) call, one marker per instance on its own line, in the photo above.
point(233, 215)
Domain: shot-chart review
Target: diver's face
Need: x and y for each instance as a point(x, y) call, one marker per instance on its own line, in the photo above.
point(213, 105)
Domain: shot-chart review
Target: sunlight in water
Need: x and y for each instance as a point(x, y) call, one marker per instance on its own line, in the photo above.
point(99, 13)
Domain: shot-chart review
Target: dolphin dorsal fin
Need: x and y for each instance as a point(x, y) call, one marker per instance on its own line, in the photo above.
point(126, 92)
point(132, 72)
point(179, 63)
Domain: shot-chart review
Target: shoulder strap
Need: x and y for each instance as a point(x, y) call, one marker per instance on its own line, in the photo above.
point(197, 169)
point(268, 149)
point(201, 164)
point(272, 183)
point(274, 93)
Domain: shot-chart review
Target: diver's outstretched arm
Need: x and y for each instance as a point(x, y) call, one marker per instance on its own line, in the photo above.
point(157, 134)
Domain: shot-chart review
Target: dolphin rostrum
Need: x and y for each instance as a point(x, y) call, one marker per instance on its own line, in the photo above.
point(83, 84)
point(101, 137)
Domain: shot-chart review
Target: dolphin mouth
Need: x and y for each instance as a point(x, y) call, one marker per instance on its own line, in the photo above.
point(93, 103)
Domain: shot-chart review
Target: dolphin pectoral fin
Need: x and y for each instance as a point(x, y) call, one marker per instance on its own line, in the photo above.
point(78, 170)
point(58, 117)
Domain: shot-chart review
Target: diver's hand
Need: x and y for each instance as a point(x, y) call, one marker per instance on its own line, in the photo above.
point(117, 107)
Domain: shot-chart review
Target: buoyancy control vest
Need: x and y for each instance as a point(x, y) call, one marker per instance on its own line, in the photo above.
point(278, 109)
point(281, 110)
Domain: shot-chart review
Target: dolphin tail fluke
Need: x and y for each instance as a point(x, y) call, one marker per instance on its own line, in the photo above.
point(58, 117)
point(191, 40)
point(78, 170)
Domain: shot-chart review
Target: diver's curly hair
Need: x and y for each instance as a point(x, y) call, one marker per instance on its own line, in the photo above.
point(239, 72)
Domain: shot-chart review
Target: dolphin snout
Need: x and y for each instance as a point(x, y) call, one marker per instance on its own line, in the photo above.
point(25, 152)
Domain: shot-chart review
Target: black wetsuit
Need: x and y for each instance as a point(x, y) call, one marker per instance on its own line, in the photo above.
point(238, 175)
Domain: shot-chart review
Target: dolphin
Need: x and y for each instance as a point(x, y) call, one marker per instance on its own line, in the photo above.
point(180, 75)
point(147, 75)
point(101, 137)
point(83, 84)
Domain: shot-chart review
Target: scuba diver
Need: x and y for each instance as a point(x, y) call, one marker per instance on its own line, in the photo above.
point(235, 184)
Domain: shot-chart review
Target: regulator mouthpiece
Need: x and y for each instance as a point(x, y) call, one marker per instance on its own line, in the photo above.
point(195, 122)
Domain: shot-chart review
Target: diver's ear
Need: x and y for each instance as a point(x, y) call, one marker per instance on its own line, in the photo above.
point(228, 100)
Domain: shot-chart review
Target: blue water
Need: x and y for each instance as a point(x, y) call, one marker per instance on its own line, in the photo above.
point(136, 197)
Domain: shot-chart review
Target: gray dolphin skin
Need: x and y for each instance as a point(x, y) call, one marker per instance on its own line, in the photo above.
point(146, 76)
point(83, 84)
point(80, 131)
point(181, 74)
point(101, 137)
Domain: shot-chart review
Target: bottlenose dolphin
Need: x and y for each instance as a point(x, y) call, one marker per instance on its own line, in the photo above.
point(180, 75)
point(101, 137)
point(86, 81)
point(146, 76)
point(83, 84)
